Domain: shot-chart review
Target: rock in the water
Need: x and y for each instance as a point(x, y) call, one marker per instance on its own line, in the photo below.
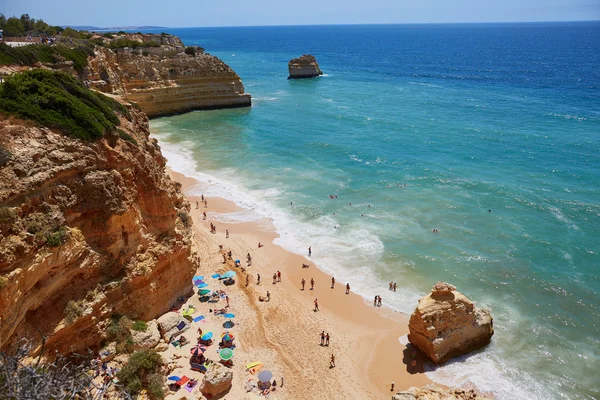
point(147, 339)
point(172, 323)
point(305, 66)
point(217, 380)
point(431, 392)
point(446, 324)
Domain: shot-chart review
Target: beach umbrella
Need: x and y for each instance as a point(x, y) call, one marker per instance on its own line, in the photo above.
point(215, 276)
point(226, 354)
point(207, 336)
point(228, 274)
point(202, 285)
point(197, 278)
point(198, 350)
point(204, 292)
point(227, 337)
point(265, 376)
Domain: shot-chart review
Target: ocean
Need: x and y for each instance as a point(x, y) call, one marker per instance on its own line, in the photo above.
point(489, 133)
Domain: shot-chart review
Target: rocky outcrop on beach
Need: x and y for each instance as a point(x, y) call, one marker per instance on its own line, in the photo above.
point(88, 230)
point(432, 392)
point(217, 381)
point(164, 79)
point(305, 66)
point(447, 324)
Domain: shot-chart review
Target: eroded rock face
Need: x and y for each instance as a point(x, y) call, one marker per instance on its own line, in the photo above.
point(446, 324)
point(170, 323)
point(165, 80)
point(431, 392)
point(147, 339)
point(122, 246)
point(217, 380)
point(305, 66)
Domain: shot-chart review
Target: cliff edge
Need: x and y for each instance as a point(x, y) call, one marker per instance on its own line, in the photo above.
point(89, 228)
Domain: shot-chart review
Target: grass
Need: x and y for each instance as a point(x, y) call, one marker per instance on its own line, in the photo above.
point(34, 53)
point(127, 137)
point(57, 238)
point(58, 100)
point(133, 44)
point(140, 326)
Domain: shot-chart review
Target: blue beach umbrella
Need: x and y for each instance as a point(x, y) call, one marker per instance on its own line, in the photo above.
point(215, 276)
point(202, 285)
point(228, 274)
point(207, 336)
point(198, 278)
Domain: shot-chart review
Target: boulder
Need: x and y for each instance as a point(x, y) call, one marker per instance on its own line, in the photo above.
point(172, 323)
point(431, 392)
point(147, 339)
point(108, 352)
point(217, 380)
point(446, 324)
point(305, 66)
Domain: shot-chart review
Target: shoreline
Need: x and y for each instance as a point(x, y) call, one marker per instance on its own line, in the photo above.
point(361, 370)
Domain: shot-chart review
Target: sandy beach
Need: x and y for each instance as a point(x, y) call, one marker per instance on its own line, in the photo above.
point(284, 333)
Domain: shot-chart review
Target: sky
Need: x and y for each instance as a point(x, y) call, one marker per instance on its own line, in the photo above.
point(196, 13)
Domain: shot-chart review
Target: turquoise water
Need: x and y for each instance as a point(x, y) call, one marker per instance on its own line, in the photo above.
point(432, 126)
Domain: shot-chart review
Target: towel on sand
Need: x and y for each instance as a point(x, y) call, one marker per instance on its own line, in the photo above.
point(200, 318)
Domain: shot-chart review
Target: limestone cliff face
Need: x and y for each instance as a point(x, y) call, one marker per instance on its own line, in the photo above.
point(432, 392)
point(305, 66)
point(87, 230)
point(446, 324)
point(165, 80)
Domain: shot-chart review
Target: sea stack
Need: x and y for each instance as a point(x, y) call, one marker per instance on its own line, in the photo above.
point(447, 324)
point(305, 66)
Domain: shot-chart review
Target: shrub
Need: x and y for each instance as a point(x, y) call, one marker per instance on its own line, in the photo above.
point(140, 326)
point(109, 35)
point(126, 136)
point(57, 100)
point(140, 372)
point(155, 386)
point(185, 218)
point(190, 51)
point(145, 53)
point(72, 311)
point(57, 238)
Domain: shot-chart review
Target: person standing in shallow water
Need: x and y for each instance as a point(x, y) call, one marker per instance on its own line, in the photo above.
point(332, 282)
point(309, 251)
point(347, 288)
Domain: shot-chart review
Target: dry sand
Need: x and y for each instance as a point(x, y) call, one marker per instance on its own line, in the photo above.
point(284, 333)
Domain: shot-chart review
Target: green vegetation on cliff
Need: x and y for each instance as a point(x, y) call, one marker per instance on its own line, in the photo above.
point(58, 100)
point(31, 54)
point(142, 372)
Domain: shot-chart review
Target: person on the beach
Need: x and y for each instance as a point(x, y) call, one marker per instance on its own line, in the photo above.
point(204, 215)
point(347, 288)
point(327, 339)
point(309, 251)
point(375, 301)
point(202, 197)
point(278, 276)
point(199, 331)
point(258, 279)
point(322, 338)
point(197, 204)
point(303, 282)
point(227, 300)
point(312, 283)
point(332, 361)
point(332, 282)
point(274, 278)
point(260, 245)
point(249, 258)
point(379, 301)
point(392, 389)
point(316, 305)
point(224, 259)
point(305, 265)
point(268, 296)
point(247, 280)
point(281, 382)
point(205, 203)
point(391, 285)
point(395, 286)
point(226, 232)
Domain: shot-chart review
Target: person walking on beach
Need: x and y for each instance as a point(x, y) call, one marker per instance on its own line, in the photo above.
point(303, 282)
point(395, 286)
point(347, 288)
point(204, 215)
point(316, 305)
point(197, 205)
point(312, 283)
point(247, 280)
point(268, 296)
point(226, 233)
point(391, 285)
point(323, 338)
point(274, 278)
point(332, 282)
point(327, 339)
point(202, 197)
point(309, 251)
point(378, 301)
point(278, 276)
point(375, 301)
point(205, 203)
point(258, 279)
point(332, 362)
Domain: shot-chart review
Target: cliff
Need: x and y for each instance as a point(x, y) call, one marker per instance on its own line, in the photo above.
point(88, 229)
point(431, 392)
point(305, 66)
point(164, 78)
point(447, 324)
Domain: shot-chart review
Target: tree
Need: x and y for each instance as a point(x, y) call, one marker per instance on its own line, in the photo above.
point(2, 21)
point(27, 22)
point(14, 27)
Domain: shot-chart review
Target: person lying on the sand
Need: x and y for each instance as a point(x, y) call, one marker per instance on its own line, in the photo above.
point(219, 312)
